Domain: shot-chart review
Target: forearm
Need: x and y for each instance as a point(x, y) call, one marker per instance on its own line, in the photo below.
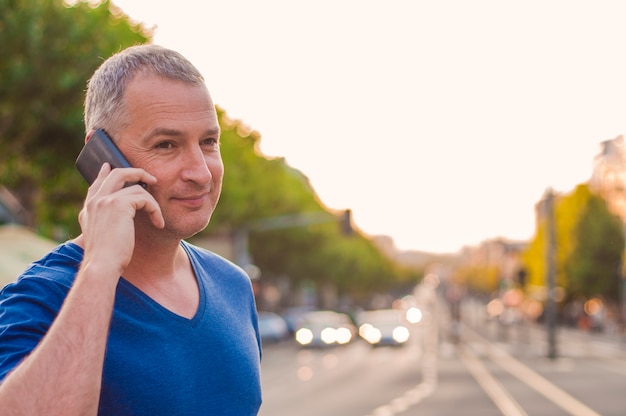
point(63, 374)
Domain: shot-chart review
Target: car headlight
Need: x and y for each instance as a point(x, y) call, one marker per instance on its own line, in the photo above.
point(364, 328)
point(414, 315)
point(400, 334)
point(343, 335)
point(329, 335)
point(304, 336)
point(371, 334)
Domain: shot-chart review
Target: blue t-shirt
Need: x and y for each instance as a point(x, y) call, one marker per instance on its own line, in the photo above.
point(157, 362)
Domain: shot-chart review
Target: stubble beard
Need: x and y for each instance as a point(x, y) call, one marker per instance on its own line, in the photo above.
point(175, 229)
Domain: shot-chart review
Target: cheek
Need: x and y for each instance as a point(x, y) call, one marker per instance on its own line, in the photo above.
point(216, 167)
point(147, 163)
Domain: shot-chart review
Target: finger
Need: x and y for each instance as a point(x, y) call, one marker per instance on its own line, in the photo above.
point(123, 177)
point(103, 173)
point(150, 206)
point(155, 214)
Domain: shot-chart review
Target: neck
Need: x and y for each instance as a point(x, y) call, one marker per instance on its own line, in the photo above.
point(152, 257)
point(162, 270)
point(155, 257)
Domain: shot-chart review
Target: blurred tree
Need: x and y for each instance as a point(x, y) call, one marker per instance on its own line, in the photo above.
point(49, 50)
point(567, 209)
point(256, 188)
point(589, 241)
point(594, 263)
point(482, 279)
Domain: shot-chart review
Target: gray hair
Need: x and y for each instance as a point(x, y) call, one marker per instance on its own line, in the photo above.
point(104, 101)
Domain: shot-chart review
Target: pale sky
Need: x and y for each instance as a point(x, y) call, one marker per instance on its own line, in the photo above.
point(439, 123)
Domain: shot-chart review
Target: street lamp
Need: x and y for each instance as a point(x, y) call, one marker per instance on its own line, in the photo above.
point(550, 272)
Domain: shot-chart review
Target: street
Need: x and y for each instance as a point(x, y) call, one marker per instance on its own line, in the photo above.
point(490, 371)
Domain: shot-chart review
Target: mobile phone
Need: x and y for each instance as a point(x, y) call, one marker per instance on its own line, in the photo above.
point(98, 150)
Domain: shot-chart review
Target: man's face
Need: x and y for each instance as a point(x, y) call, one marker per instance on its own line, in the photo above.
point(173, 134)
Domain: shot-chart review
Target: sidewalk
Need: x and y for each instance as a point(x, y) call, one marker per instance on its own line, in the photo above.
point(525, 338)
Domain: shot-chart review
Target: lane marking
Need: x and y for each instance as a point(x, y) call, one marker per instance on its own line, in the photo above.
point(404, 402)
point(418, 393)
point(430, 371)
point(498, 394)
point(537, 382)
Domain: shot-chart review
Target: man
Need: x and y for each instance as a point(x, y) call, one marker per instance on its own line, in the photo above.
point(128, 318)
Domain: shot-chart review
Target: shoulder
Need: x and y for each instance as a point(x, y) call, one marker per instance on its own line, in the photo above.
point(52, 275)
point(217, 270)
point(29, 304)
point(211, 259)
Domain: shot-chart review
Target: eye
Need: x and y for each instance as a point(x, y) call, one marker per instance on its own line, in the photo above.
point(164, 145)
point(210, 142)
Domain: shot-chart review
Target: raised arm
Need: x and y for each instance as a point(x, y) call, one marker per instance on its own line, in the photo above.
point(62, 375)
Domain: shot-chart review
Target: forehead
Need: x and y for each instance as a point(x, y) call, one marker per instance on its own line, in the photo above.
point(150, 99)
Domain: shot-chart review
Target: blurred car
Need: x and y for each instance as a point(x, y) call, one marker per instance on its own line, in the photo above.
point(294, 315)
point(384, 327)
point(324, 328)
point(346, 330)
point(272, 327)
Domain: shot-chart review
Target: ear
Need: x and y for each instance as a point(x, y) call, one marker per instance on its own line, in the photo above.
point(88, 135)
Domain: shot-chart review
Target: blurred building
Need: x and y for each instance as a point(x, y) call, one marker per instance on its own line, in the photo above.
point(414, 259)
point(499, 253)
point(609, 175)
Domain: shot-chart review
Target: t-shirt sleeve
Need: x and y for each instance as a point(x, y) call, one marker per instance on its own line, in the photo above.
point(27, 309)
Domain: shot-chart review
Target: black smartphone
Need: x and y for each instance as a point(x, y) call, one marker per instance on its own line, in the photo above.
point(98, 150)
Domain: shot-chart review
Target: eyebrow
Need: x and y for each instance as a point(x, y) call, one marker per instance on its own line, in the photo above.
point(163, 131)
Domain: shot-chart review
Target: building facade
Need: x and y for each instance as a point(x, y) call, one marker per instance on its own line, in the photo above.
point(609, 175)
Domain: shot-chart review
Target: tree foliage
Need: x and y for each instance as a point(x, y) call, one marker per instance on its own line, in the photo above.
point(588, 248)
point(594, 263)
point(480, 279)
point(49, 50)
point(256, 188)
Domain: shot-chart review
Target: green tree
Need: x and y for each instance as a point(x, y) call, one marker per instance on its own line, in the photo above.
point(49, 50)
point(567, 210)
point(588, 246)
point(256, 188)
point(593, 265)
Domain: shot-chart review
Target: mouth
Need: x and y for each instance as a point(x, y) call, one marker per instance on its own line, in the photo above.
point(192, 200)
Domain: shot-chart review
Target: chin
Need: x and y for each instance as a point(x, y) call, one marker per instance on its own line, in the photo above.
point(186, 228)
point(181, 228)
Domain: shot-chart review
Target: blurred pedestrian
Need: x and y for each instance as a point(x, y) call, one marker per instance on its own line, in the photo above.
point(454, 296)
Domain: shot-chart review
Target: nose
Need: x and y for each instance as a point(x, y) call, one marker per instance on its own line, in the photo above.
point(196, 167)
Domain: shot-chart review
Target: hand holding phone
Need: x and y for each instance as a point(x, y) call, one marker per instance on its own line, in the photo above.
point(98, 150)
point(110, 226)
